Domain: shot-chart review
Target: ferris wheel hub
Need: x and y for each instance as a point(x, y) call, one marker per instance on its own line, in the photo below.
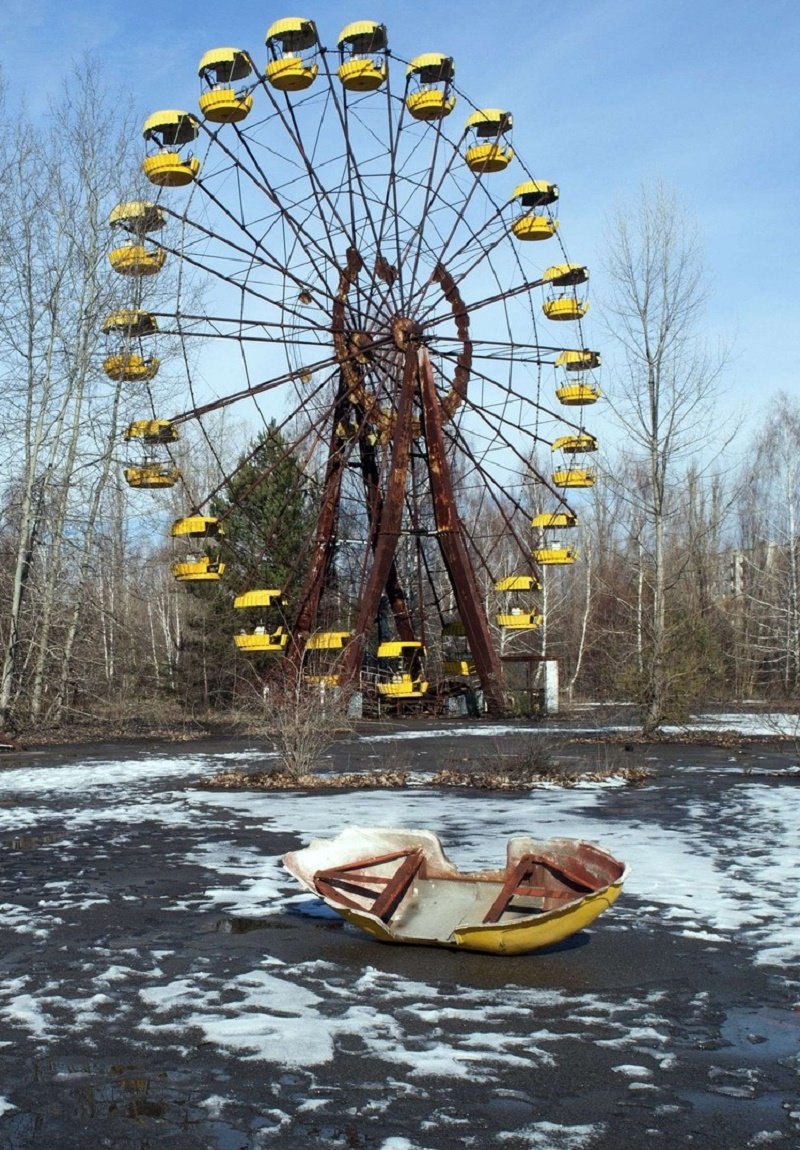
point(406, 332)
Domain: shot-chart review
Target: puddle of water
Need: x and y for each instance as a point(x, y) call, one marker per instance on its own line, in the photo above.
point(241, 925)
point(767, 1034)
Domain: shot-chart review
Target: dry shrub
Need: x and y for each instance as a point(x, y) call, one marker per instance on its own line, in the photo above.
point(303, 720)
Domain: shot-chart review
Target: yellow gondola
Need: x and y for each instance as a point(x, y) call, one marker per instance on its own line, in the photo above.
point(362, 48)
point(292, 45)
point(491, 151)
point(404, 673)
point(197, 569)
point(265, 638)
point(519, 616)
point(152, 475)
point(151, 431)
point(168, 131)
point(219, 69)
point(328, 640)
point(130, 368)
point(575, 444)
point(565, 305)
point(456, 661)
point(553, 556)
point(322, 651)
point(519, 620)
point(425, 101)
point(531, 225)
point(574, 477)
point(565, 308)
point(566, 275)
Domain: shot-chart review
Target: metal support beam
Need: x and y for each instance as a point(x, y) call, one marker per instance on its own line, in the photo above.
point(387, 529)
point(450, 533)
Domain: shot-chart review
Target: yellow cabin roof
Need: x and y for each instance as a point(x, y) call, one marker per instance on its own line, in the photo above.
point(130, 321)
point(432, 68)
point(364, 36)
point(294, 33)
point(575, 443)
point(197, 525)
point(533, 193)
point(566, 274)
point(555, 519)
point(402, 647)
point(516, 583)
point(261, 597)
point(234, 63)
point(180, 127)
point(578, 360)
point(328, 640)
point(495, 118)
point(137, 216)
point(555, 556)
point(151, 431)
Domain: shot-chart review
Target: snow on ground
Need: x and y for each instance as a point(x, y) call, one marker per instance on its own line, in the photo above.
point(710, 888)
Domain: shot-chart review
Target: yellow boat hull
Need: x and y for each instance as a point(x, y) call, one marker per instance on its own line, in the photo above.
point(399, 887)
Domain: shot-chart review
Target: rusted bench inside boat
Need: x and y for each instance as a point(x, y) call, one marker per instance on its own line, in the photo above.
point(385, 891)
point(540, 877)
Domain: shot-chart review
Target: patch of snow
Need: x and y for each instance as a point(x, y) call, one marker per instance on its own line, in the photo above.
point(550, 1136)
point(631, 1070)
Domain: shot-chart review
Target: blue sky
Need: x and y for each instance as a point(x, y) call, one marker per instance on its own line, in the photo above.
point(606, 94)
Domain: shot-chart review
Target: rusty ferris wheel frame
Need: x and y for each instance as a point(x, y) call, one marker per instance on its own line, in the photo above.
point(367, 256)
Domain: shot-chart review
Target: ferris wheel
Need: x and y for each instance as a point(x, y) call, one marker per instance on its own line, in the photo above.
point(384, 282)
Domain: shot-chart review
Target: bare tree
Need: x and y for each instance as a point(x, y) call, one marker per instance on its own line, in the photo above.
point(59, 181)
point(663, 396)
point(766, 572)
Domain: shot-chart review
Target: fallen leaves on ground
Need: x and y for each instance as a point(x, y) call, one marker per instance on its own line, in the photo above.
point(490, 780)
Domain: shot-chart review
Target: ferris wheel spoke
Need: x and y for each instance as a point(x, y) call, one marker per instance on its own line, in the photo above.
point(356, 189)
point(321, 196)
point(254, 389)
point(497, 434)
point(518, 396)
point(431, 196)
point(262, 183)
point(203, 264)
